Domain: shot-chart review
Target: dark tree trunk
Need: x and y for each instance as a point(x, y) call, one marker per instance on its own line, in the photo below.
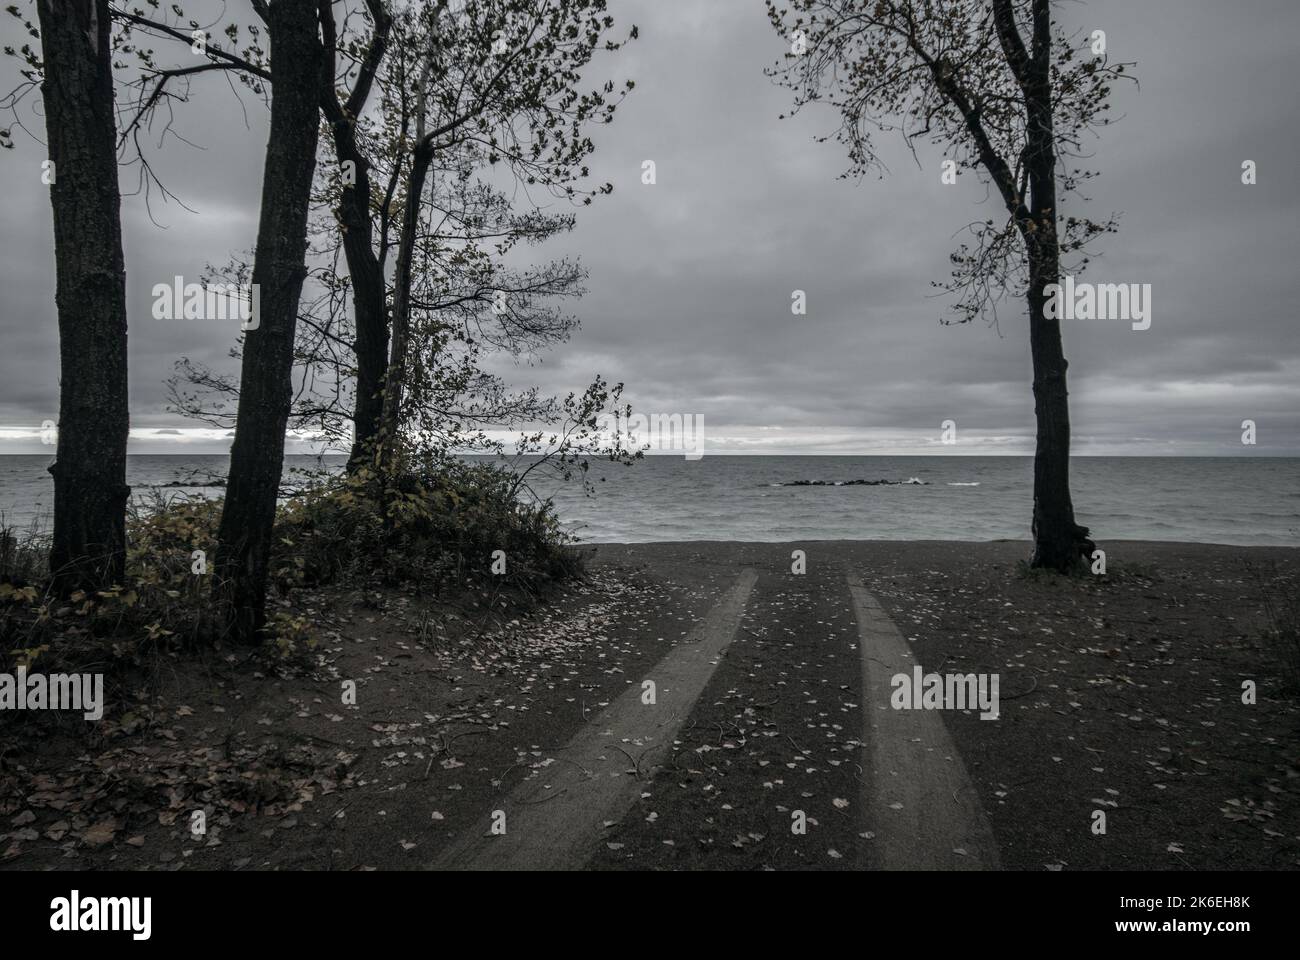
point(90, 491)
point(422, 156)
point(369, 295)
point(1059, 543)
point(371, 347)
point(279, 269)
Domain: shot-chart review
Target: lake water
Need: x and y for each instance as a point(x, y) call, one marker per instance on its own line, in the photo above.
point(1248, 500)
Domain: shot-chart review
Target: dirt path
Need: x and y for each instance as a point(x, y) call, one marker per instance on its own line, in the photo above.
point(554, 822)
point(926, 811)
point(784, 751)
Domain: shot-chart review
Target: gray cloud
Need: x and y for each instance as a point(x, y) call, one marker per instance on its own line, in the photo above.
point(691, 278)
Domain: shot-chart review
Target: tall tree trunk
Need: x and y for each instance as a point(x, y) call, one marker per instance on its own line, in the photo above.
point(371, 346)
point(369, 293)
point(279, 269)
point(421, 158)
point(90, 491)
point(1059, 543)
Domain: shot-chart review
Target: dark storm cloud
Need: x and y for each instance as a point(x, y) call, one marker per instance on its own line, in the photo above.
point(691, 278)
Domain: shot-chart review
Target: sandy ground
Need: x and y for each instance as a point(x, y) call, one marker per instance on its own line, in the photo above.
point(1119, 694)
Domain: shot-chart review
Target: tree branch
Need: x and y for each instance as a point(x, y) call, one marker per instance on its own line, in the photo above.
point(230, 58)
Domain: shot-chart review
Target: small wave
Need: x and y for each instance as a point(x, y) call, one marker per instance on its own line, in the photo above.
point(176, 484)
point(910, 481)
point(975, 484)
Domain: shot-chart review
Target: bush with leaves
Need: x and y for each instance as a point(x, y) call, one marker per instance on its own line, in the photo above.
point(436, 525)
point(435, 522)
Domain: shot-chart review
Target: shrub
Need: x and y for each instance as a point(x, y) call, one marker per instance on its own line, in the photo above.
point(436, 525)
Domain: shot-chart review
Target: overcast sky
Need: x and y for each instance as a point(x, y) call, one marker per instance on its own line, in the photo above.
point(691, 278)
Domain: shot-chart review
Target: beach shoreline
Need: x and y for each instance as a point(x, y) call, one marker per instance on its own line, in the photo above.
point(1120, 694)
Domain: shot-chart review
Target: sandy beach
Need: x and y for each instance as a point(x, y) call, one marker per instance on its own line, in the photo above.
point(483, 735)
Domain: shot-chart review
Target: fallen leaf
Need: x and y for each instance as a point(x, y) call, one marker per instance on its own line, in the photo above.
point(100, 834)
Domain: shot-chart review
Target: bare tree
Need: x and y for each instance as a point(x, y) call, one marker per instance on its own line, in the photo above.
point(466, 83)
point(959, 73)
point(356, 216)
point(90, 490)
point(90, 133)
point(468, 308)
point(279, 269)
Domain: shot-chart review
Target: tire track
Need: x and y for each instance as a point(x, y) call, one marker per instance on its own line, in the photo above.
point(921, 802)
point(554, 821)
